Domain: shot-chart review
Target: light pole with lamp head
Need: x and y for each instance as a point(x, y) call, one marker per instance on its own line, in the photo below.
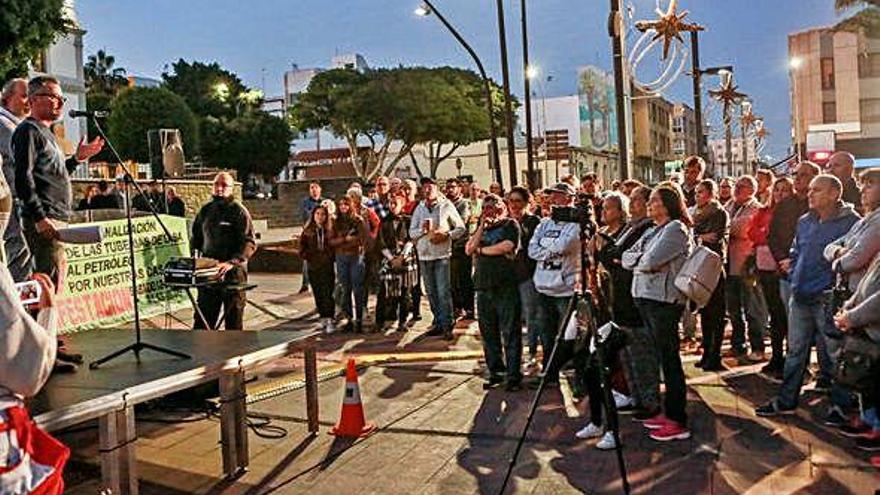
point(528, 74)
point(794, 64)
point(426, 9)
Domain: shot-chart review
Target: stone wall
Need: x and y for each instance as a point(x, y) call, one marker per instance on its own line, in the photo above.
point(194, 193)
point(285, 210)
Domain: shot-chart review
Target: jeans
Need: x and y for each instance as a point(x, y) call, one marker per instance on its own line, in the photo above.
point(712, 321)
point(551, 311)
point(47, 254)
point(662, 319)
point(528, 298)
point(211, 301)
point(350, 270)
point(18, 255)
point(809, 322)
point(746, 297)
point(501, 331)
point(435, 274)
point(462, 281)
point(689, 324)
point(770, 284)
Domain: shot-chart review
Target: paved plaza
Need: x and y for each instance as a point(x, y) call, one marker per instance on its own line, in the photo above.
point(439, 432)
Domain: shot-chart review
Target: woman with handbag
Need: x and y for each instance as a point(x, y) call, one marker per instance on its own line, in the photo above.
point(768, 273)
point(711, 224)
point(656, 260)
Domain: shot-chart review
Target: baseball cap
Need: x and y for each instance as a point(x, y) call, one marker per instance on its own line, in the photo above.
point(561, 187)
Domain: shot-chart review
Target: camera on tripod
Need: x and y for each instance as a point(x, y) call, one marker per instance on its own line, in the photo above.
point(580, 213)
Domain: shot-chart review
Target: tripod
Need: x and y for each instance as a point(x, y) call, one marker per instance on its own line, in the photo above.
point(138, 344)
point(611, 419)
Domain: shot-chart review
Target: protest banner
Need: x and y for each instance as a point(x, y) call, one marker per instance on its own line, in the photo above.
point(96, 290)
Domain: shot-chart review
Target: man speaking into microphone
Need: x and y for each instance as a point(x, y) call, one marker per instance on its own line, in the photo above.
point(42, 176)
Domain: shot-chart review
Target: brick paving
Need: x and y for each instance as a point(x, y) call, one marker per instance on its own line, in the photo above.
point(440, 433)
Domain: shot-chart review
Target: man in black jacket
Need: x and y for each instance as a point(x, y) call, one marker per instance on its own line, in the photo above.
point(222, 230)
point(842, 165)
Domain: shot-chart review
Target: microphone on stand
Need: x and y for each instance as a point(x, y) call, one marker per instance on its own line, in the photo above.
point(97, 114)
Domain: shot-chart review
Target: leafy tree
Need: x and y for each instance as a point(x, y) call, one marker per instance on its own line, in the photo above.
point(137, 110)
point(411, 106)
point(256, 143)
point(102, 75)
point(865, 16)
point(209, 90)
point(27, 27)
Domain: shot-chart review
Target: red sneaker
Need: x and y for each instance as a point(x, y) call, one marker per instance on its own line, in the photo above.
point(875, 461)
point(672, 431)
point(657, 422)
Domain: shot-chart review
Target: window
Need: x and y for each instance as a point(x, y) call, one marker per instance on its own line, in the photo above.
point(827, 68)
point(869, 65)
point(829, 112)
point(870, 110)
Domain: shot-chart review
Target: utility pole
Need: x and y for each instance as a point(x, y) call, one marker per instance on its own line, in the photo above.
point(728, 143)
point(508, 104)
point(744, 132)
point(621, 89)
point(531, 178)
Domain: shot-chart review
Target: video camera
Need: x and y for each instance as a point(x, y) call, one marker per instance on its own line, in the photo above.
point(580, 213)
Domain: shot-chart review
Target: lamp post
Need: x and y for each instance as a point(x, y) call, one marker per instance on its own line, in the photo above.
point(721, 71)
point(794, 64)
point(508, 104)
point(528, 74)
point(427, 8)
point(745, 108)
point(622, 84)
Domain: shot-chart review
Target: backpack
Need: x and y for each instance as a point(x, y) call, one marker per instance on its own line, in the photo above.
point(699, 276)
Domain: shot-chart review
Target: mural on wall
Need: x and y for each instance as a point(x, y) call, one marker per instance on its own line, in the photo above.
point(597, 109)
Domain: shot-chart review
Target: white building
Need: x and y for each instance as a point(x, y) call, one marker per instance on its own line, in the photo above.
point(64, 61)
point(718, 154)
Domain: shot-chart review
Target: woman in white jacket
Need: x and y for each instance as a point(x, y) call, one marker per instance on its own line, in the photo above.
point(655, 261)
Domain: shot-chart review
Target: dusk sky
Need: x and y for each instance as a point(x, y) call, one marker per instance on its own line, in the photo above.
point(260, 39)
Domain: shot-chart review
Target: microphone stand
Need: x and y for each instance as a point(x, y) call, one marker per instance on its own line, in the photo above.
point(138, 344)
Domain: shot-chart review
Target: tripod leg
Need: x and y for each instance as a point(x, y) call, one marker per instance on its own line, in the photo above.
point(560, 332)
point(97, 363)
point(164, 350)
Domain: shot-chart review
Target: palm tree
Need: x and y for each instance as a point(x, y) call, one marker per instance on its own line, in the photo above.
point(865, 18)
point(101, 75)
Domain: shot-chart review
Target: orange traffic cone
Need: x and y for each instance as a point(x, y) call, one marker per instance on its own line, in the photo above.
point(351, 422)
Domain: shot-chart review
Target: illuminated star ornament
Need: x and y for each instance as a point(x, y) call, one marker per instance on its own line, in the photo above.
point(761, 132)
point(669, 26)
point(727, 95)
point(749, 119)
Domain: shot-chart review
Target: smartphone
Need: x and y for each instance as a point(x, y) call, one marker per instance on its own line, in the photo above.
point(29, 292)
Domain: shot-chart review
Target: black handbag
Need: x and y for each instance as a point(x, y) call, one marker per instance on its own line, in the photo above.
point(858, 361)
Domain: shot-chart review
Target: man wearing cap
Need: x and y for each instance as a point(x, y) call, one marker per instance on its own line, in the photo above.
point(555, 246)
point(435, 224)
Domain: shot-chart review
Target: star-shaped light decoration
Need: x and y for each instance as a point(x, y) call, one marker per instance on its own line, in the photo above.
point(669, 26)
point(761, 132)
point(727, 95)
point(749, 119)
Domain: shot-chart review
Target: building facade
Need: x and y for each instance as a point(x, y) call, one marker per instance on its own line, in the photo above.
point(652, 136)
point(64, 61)
point(718, 157)
point(835, 86)
point(684, 135)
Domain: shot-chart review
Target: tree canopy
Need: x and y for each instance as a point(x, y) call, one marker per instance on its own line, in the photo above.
point(136, 110)
point(372, 110)
point(103, 76)
point(27, 27)
point(209, 90)
point(256, 143)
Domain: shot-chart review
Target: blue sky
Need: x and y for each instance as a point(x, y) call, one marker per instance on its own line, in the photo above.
point(260, 39)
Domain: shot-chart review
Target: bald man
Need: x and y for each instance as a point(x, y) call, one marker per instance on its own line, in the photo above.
point(222, 230)
point(810, 309)
point(843, 166)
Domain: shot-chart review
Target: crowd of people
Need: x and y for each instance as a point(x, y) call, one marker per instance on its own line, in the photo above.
point(800, 270)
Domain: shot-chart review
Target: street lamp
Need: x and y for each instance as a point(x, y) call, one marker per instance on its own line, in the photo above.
point(427, 8)
point(532, 72)
point(794, 64)
point(529, 72)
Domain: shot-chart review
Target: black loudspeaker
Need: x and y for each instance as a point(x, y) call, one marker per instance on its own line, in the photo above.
point(166, 153)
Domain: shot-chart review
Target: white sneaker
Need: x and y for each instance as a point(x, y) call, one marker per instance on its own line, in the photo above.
point(329, 327)
point(607, 442)
point(621, 400)
point(589, 431)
